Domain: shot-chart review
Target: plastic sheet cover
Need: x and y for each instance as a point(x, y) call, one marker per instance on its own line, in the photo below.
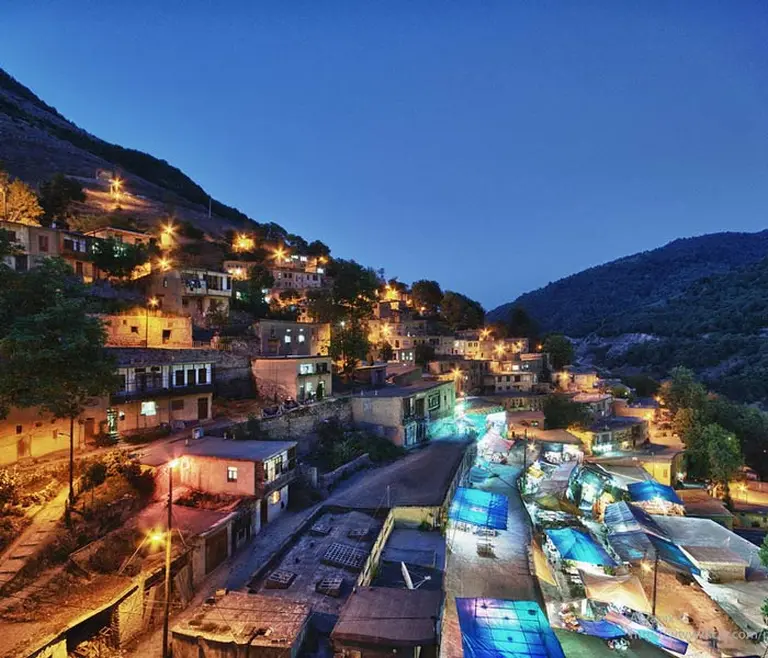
point(602, 628)
point(671, 554)
point(650, 489)
point(494, 628)
point(578, 546)
point(651, 636)
point(480, 508)
point(625, 517)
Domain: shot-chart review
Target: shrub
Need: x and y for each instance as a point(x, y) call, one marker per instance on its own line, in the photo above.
point(95, 474)
point(9, 486)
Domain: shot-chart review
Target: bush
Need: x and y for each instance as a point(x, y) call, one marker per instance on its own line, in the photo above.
point(9, 486)
point(147, 436)
point(95, 474)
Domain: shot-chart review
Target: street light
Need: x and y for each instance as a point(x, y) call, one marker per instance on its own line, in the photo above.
point(164, 264)
point(166, 611)
point(115, 188)
point(153, 302)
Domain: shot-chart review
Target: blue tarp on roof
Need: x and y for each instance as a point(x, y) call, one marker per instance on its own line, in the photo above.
point(481, 508)
point(650, 489)
point(494, 628)
point(578, 546)
point(631, 546)
point(602, 628)
point(625, 517)
point(671, 554)
point(651, 636)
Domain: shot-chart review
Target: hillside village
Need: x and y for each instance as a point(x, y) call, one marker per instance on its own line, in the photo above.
point(310, 444)
point(217, 439)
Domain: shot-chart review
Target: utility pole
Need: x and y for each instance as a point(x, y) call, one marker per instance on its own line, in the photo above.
point(167, 608)
point(655, 579)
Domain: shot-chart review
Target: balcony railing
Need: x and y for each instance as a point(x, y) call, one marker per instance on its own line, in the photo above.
point(158, 392)
point(286, 477)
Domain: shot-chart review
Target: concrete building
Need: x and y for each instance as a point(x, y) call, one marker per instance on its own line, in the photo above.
point(610, 434)
point(508, 376)
point(406, 415)
point(159, 386)
point(384, 621)
point(257, 626)
point(36, 243)
point(302, 378)
point(468, 374)
point(577, 379)
point(260, 469)
point(193, 292)
point(285, 338)
point(599, 405)
point(148, 328)
point(370, 375)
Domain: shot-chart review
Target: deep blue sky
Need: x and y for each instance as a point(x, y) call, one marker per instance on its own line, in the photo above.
point(494, 146)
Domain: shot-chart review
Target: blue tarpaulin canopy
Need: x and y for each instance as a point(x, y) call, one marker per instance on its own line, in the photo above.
point(650, 489)
point(579, 546)
point(651, 636)
point(624, 517)
point(481, 508)
point(602, 628)
point(631, 546)
point(671, 554)
point(494, 628)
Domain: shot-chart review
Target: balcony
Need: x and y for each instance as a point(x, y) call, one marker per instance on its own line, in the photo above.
point(143, 393)
point(286, 477)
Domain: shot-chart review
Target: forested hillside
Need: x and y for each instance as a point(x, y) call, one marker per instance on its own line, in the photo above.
point(597, 299)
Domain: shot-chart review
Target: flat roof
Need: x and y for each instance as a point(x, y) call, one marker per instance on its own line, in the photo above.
point(141, 356)
point(246, 619)
point(213, 446)
point(698, 502)
point(403, 391)
point(553, 436)
point(290, 357)
point(390, 617)
point(587, 398)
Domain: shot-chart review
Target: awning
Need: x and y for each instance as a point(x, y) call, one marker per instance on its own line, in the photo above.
point(480, 508)
point(651, 490)
point(671, 554)
point(656, 638)
point(541, 566)
point(495, 628)
point(626, 591)
point(631, 546)
point(602, 628)
point(579, 546)
point(624, 517)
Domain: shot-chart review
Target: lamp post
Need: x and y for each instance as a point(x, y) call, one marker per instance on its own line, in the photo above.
point(153, 303)
point(343, 324)
point(167, 608)
point(647, 567)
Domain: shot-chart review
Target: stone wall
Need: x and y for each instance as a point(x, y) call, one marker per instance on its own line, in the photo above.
point(329, 480)
point(301, 424)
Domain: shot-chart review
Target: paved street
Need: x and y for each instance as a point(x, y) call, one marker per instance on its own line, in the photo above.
point(505, 576)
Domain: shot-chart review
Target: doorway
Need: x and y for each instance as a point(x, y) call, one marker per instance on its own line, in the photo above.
point(264, 512)
point(202, 408)
point(320, 389)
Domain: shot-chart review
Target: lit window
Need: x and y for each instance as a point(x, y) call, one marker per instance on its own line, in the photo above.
point(149, 408)
point(274, 497)
point(231, 473)
point(287, 339)
point(305, 368)
point(302, 338)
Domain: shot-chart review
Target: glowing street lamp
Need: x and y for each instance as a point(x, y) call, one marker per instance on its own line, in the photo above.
point(153, 303)
point(116, 188)
point(499, 349)
point(164, 264)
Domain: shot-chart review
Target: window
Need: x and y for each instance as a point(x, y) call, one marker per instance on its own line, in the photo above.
point(134, 329)
point(274, 497)
point(178, 378)
point(287, 338)
point(202, 376)
point(121, 382)
point(42, 242)
point(305, 368)
point(149, 408)
point(177, 405)
point(166, 335)
point(302, 338)
point(231, 473)
point(18, 429)
point(434, 402)
point(191, 377)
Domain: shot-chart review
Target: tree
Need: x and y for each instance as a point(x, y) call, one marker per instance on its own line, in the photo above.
point(118, 259)
point(725, 457)
point(644, 386)
point(349, 345)
point(461, 312)
point(560, 412)
point(318, 249)
point(350, 298)
point(683, 391)
point(249, 294)
point(560, 350)
point(427, 296)
point(56, 198)
point(386, 353)
point(53, 352)
point(21, 204)
point(519, 323)
point(423, 354)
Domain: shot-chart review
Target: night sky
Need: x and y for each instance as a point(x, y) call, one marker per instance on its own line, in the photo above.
point(493, 146)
